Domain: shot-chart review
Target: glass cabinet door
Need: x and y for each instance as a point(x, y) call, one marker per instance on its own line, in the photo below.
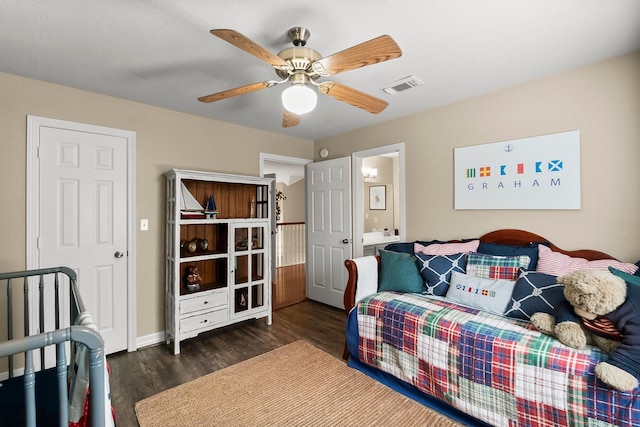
point(249, 259)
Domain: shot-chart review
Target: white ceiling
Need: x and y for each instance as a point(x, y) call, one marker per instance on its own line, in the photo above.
point(287, 173)
point(160, 52)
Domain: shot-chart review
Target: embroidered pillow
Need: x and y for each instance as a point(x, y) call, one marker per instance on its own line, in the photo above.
point(534, 292)
point(436, 271)
point(495, 266)
point(398, 272)
point(446, 248)
point(530, 250)
point(491, 295)
point(559, 264)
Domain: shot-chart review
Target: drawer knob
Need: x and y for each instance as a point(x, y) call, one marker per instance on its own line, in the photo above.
point(206, 302)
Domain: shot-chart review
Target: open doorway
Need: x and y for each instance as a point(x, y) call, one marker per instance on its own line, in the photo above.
point(289, 242)
point(378, 198)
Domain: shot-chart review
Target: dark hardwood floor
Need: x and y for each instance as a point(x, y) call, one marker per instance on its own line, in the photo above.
point(145, 372)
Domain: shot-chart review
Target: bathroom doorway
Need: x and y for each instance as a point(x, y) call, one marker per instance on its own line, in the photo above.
point(378, 198)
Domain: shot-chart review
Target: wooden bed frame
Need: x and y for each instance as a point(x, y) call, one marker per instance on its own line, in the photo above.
point(512, 237)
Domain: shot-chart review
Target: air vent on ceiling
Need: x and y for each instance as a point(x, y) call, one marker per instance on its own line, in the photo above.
point(404, 83)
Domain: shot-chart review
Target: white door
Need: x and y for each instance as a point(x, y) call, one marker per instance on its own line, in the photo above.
point(328, 229)
point(83, 221)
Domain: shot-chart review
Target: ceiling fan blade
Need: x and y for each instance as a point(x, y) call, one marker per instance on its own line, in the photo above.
point(290, 119)
point(235, 92)
point(242, 42)
point(352, 96)
point(371, 52)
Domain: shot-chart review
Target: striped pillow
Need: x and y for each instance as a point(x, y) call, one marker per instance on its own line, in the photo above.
point(558, 264)
point(496, 266)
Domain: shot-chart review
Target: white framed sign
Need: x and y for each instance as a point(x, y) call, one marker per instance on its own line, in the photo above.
point(540, 172)
point(378, 197)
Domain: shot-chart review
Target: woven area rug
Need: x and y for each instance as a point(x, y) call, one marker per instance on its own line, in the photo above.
point(294, 385)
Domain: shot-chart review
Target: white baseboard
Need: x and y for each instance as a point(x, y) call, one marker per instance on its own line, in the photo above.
point(150, 339)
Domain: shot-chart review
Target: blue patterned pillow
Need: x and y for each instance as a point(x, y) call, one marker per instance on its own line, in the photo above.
point(436, 270)
point(534, 292)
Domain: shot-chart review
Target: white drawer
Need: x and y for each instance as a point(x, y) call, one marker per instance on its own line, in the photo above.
point(204, 301)
point(202, 321)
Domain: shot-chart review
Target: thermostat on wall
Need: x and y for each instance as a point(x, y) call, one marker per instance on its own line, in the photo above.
point(324, 153)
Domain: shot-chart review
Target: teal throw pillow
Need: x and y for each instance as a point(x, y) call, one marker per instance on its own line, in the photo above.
point(399, 272)
point(631, 278)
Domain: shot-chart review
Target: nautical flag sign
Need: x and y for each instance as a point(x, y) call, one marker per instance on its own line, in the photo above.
point(540, 172)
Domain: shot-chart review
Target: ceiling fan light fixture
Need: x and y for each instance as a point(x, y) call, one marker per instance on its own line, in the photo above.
point(299, 99)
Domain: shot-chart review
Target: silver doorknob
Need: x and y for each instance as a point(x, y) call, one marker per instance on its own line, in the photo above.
point(119, 254)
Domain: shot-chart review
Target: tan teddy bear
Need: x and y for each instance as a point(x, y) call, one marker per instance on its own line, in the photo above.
point(604, 309)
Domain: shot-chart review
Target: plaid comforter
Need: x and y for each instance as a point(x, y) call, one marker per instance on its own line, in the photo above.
point(497, 369)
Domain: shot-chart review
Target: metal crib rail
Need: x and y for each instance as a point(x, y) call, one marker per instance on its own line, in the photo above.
point(76, 307)
point(58, 337)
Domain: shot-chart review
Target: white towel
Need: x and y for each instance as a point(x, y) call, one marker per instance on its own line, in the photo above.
point(367, 283)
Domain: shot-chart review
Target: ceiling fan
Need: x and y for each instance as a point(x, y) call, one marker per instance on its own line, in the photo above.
point(301, 66)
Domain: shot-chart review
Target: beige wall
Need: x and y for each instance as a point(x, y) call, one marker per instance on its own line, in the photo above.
point(601, 100)
point(165, 139)
point(293, 209)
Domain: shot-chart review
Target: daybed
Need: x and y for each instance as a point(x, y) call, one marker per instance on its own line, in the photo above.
point(480, 366)
point(40, 395)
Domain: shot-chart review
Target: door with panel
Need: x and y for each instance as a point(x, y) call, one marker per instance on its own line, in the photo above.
point(83, 221)
point(328, 229)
